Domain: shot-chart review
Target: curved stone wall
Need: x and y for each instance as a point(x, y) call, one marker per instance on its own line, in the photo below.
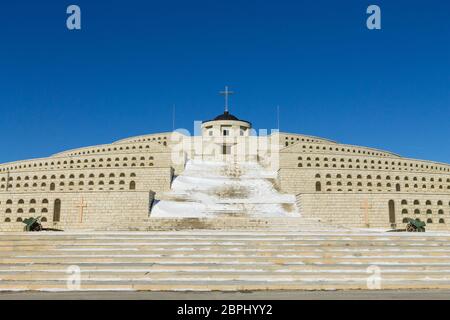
point(338, 183)
point(333, 181)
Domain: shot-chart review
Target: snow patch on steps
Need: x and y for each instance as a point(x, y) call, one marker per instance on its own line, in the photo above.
point(220, 189)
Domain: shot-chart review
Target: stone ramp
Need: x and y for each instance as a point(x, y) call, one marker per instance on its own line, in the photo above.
point(219, 222)
point(202, 260)
point(227, 221)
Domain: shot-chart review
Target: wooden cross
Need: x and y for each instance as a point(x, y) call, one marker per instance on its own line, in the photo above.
point(81, 206)
point(366, 206)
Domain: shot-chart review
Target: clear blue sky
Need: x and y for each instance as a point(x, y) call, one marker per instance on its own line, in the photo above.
point(119, 76)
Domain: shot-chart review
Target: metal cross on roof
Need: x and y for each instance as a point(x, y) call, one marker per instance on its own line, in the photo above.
point(226, 93)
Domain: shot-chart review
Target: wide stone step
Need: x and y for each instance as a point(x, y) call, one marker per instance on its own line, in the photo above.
point(223, 276)
point(231, 252)
point(224, 259)
point(205, 232)
point(230, 267)
point(155, 247)
point(127, 226)
point(222, 240)
point(224, 246)
point(213, 234)
point(240, 285)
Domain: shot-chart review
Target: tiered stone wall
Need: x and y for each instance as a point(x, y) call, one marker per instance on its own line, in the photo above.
point(108, 182)
point(112, 160)
point(62, 210)
point(90, 179)
point(332, 181)
point(360, 210)
point(335, 182)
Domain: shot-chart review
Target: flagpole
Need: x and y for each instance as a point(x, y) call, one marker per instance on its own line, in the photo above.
point(173, 117)
point(278, 117)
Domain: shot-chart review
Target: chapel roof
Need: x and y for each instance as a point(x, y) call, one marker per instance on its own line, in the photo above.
point(226, 116)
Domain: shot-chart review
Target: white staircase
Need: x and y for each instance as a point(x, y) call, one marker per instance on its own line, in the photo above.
point(221, 189)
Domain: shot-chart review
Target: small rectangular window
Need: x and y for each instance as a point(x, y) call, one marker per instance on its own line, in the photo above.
point(226, 149)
